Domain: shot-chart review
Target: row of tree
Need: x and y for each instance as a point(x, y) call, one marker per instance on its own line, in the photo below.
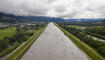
point(99, 46)
point(96, 31)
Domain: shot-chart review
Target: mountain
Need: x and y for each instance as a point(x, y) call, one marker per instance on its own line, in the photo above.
point(12, 18)
point(9, 18)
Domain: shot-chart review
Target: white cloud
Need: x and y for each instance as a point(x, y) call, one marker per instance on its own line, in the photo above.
point(55, 8)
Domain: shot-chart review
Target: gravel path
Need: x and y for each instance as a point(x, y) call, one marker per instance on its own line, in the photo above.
point(54, 45)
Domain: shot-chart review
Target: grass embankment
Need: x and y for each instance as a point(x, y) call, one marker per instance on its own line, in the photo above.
point(20, 52)
point(7, 32)
point(87, 49)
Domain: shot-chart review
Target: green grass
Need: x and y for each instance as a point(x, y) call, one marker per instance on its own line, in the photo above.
point(20, 52)
point(87, 49)
point(7, 32)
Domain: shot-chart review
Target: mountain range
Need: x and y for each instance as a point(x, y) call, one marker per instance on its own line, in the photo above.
point(12, 19)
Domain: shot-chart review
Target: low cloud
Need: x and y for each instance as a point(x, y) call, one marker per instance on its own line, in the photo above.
point(55, 8)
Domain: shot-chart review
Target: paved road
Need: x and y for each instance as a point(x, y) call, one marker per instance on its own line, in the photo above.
point(54, 45)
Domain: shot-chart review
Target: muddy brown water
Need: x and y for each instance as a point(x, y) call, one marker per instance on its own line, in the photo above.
point(54, 45)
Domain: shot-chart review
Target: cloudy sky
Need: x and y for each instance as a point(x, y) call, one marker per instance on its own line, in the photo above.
point(55, 8)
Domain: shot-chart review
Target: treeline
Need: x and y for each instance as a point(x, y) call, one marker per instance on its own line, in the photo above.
point(99, 46)
point(20, 36)
point(96, 31)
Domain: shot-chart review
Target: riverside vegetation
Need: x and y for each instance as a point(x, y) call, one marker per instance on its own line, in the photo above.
point(82, 35)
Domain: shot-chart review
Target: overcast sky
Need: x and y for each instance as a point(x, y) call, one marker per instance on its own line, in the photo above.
point(55, 8)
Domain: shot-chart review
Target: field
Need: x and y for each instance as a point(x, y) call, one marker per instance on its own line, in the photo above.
point(7, 32)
